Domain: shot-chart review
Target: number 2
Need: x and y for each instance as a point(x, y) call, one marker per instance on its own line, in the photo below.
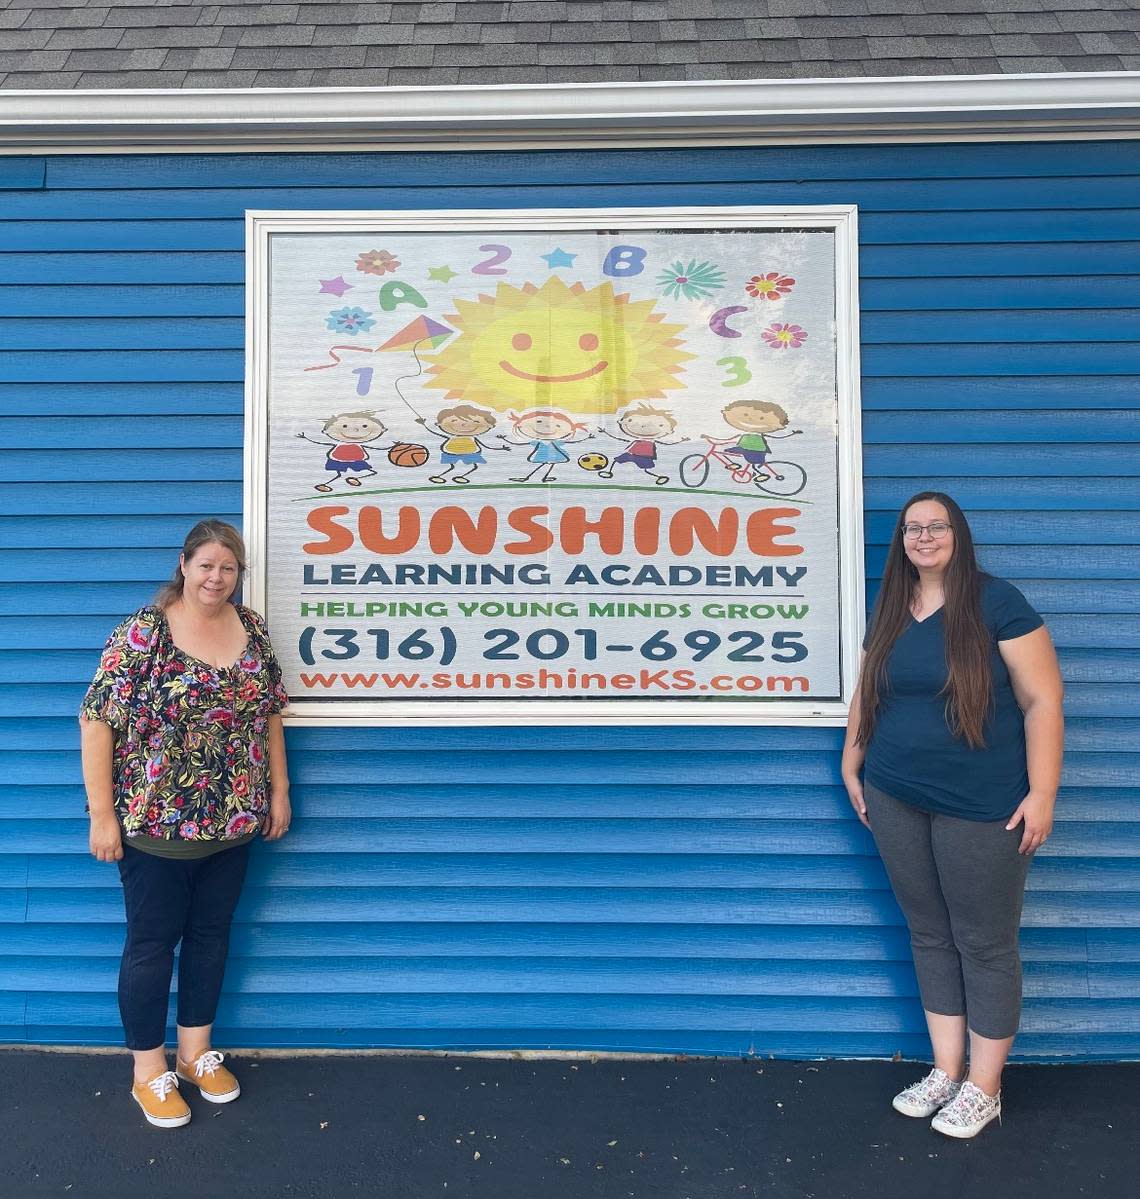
point(490, 266)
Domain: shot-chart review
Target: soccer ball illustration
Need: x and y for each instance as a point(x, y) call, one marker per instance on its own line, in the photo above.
point(593, 462)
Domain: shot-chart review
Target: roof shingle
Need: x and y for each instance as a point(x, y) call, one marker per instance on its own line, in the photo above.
point(173, 43)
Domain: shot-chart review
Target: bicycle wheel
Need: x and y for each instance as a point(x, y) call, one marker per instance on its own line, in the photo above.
point(694, 470)
point(781, 478)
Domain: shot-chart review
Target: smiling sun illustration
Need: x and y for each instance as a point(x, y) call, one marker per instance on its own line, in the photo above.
point(558, 346)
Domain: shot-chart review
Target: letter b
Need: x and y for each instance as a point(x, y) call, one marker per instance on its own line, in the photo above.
point(624, 261)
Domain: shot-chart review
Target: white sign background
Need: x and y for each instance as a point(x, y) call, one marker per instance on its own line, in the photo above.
point(485, 615)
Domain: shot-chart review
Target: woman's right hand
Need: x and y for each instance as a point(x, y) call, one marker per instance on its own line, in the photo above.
point(854, 755)
point(855, 795)
point(106, 838)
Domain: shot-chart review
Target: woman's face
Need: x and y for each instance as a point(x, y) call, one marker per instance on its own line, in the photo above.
point(926, 551)
point(211, 574)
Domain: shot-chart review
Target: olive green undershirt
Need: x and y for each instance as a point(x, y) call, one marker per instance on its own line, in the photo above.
point(186, 851)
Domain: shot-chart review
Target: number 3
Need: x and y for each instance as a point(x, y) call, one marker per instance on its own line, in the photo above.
point(737, 370)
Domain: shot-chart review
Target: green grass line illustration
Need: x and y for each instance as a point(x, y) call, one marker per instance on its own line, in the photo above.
point(695, 492)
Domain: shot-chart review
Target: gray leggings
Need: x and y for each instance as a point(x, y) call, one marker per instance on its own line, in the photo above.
point(960, 884)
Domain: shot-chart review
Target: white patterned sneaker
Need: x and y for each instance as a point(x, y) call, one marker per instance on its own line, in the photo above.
point(924, 1098)
point(968, 1113)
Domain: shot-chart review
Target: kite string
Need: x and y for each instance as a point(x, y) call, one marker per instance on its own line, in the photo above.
point(396, 382)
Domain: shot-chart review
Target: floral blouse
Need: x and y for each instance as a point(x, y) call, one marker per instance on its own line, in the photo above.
point(191, 758)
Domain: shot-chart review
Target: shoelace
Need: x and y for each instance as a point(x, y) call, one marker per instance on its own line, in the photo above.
point(934, 1085)
point(164, 1084)
point(209, 1062)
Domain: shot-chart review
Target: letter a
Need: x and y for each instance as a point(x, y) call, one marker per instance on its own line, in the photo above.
point(395, 293)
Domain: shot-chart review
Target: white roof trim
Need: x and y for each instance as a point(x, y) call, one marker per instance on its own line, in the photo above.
point(929, 108)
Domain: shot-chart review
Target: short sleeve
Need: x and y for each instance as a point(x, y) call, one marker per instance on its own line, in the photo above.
point(1008, 613)
point(117, 680)
point(276, 697)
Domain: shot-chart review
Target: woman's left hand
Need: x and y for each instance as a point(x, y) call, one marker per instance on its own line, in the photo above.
point(1037, 813)
point(277, 822)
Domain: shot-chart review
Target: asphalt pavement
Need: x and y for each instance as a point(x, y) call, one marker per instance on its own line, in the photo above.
point(412, 1127)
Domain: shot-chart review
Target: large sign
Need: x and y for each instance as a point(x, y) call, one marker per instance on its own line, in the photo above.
point(556, 465)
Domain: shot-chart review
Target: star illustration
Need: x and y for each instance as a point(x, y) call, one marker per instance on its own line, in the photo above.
point(442, 274)
point(558, 258)
point(335, 287)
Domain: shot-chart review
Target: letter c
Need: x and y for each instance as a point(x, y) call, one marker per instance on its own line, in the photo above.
point(718, 322)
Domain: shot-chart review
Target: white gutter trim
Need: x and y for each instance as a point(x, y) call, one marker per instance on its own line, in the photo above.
point(944, 107)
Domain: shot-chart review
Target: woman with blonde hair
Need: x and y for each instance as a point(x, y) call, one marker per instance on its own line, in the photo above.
point(184, 764)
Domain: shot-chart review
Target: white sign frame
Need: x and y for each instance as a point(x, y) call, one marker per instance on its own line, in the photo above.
point(840, 220)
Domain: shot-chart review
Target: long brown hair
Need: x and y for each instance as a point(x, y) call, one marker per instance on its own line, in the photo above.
point(969, 684)
point(203, 533)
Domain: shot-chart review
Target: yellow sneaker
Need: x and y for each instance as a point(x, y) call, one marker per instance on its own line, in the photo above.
point(215, 1083)
point(160, 1101)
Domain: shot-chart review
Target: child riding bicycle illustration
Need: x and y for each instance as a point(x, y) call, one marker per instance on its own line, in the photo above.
point(746, 457)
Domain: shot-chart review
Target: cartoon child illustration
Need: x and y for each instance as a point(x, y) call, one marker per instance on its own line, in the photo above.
point(758, 421)
point(547, 431)
point(459, 428)
point(646, 428)
point(350, 432)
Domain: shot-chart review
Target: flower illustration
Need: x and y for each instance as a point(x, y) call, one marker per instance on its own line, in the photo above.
point(154, 769)
point(111, 660)
point(139, 635)
point(771, 286)
point(188, 830)
point(241, 785)
point(784, 337)
point(693, 281)
point(239, 825)
point(377, 262)
point(256, 753)
point(350, 320)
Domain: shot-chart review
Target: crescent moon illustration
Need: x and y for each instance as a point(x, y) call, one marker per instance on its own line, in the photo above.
point(718, 322)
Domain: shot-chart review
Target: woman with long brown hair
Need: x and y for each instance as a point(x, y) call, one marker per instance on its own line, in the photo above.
point(952, 760)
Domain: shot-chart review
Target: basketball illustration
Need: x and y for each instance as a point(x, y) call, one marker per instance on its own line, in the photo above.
point(404, 453)
point(593, 462)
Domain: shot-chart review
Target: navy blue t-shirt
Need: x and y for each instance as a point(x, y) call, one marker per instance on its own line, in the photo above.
point(913, 756)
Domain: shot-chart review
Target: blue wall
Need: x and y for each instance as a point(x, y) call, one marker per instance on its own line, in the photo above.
point(657, 894)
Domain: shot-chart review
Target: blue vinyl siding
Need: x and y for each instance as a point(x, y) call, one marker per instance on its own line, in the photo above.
point(682, 889)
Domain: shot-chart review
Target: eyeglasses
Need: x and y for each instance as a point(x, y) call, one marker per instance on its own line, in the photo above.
point(937, 530)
